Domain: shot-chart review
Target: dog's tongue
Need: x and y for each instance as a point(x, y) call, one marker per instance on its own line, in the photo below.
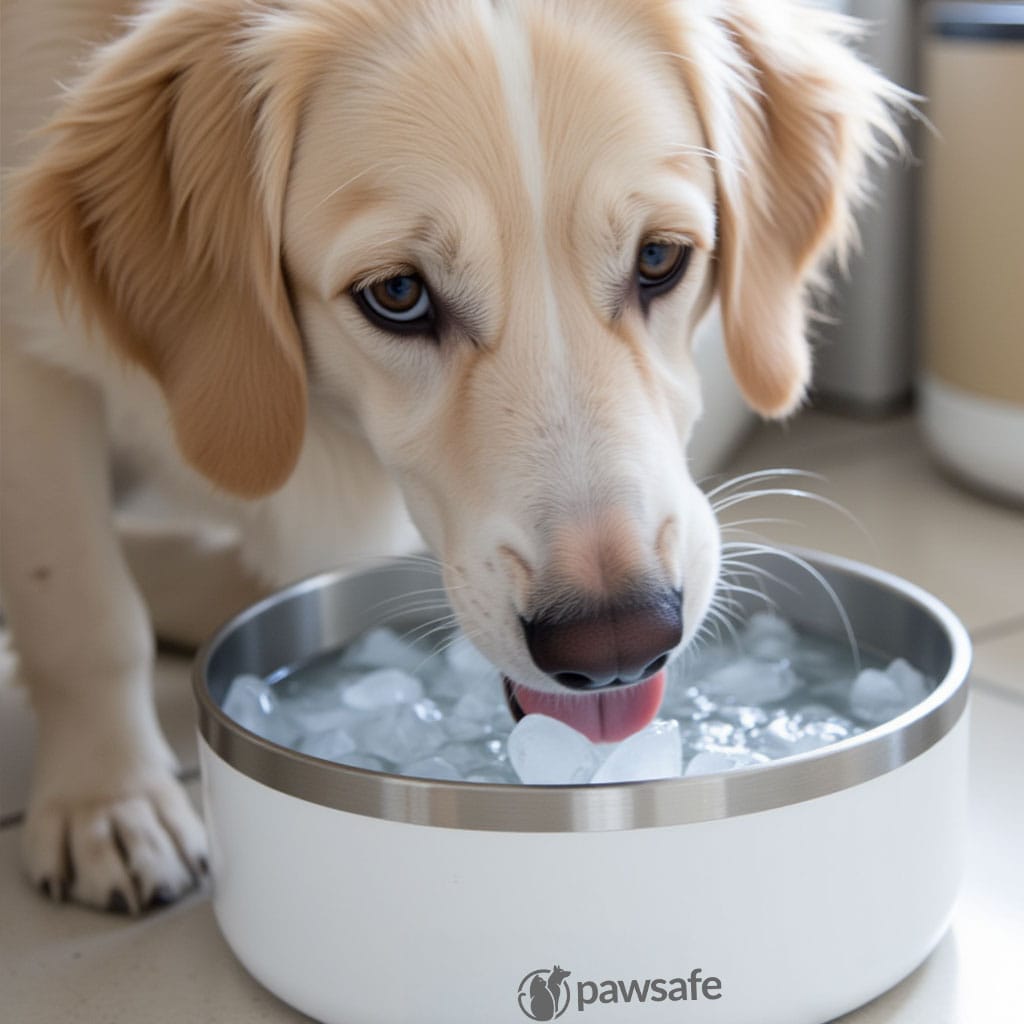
point(603, 716)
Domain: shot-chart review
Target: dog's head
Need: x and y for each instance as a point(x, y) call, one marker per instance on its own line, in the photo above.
point(482, 232)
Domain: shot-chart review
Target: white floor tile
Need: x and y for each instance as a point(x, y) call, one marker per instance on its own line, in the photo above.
point(1000, 659)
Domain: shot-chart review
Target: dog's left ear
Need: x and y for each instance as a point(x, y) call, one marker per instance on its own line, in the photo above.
point(156, 205)
point(794, 118)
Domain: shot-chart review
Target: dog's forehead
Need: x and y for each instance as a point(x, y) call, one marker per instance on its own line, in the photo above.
point(541, 110)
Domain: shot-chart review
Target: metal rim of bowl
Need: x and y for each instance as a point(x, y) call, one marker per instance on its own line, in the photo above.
point(602, 807)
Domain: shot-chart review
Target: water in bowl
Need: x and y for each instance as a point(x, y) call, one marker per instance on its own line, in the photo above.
point(393, 705)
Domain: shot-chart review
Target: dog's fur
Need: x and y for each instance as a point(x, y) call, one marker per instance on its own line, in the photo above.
point(206, 192)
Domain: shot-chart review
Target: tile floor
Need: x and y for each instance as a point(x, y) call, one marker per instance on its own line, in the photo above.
point(69, 965)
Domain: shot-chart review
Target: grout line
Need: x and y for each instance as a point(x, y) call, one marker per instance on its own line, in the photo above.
point(997, 630)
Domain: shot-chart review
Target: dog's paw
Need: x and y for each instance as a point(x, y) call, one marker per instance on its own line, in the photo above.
point(123, 854)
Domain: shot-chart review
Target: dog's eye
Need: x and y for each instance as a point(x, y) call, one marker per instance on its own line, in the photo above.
point(400, 303)
point(661, 265)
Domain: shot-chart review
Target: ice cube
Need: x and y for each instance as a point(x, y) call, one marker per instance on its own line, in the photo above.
point(478, 714)
point(331, 745)
point(383, 688)
point(715, 733)
point(383, 648)
point(743, 716)
point(767, 637)
point(749, 681)
point(467, 662)
point(546, 752)
point(432, 768)
point(787, 735)
point(707, 762)
point(913, 684)
point(464, 670)
point(877, 696)
point(318, 717)
point(689, 704)
point(813, 713)
point(809, 713)
point(248, 694)
point(820, 664)
point(427, 711)
point(463, 729)
point(252, 704)
point(472, 755)
point(476, 707)
point(319, 681)
point(655, 752)
point(403, 733)
point(695, 663)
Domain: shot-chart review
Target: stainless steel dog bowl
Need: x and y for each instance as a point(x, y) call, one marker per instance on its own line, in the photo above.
point(782, 894)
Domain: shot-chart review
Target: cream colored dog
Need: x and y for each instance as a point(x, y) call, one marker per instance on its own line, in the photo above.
point(355, 273)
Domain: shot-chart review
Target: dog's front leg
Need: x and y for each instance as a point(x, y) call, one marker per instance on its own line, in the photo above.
point(108, 823)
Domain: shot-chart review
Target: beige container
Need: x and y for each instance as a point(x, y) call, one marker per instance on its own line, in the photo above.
point(972, 386)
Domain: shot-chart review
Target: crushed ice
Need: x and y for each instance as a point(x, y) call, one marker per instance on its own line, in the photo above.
point(388, 705)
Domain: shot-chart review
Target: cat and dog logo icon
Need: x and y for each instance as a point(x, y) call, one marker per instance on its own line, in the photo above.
point(544, 994)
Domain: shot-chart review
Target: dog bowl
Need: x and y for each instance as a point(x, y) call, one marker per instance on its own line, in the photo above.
point(787, 893)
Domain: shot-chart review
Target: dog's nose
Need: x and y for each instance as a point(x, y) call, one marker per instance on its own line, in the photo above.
point(622, 641)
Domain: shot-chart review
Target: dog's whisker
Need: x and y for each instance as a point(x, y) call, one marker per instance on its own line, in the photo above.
point(757, 573)
point(758, 521)
point(741, 574)
point(735, 499)
point(729, 604)
point(460, 637)
point(767, 492)
point(762, 474)
point(392, 563)
point(416, 593)
point(417, 609)
point(719, 617)
point(753, 592)
point(835, 506)
point(437, 593)
point(713, 628)
point(445, 644)
point(802, 563)
point(420, 634)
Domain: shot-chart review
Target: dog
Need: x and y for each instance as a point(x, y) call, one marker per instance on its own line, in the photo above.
point(546, 994)
point(363, 276)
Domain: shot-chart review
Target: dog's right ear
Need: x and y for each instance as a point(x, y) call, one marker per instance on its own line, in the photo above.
point(793, 117)
point(156, 204)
